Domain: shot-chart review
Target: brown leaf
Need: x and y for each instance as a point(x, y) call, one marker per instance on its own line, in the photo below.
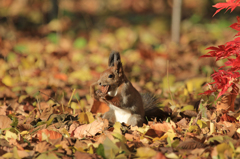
point(154, 133)
point(161, 127)
point(99, 107)
point(227, 102)
point(104, 136)
point(228, 118)
point(5, 122)
point(183, 123)
point(3, 109)
point(49, 133)
point(65, 145)
point(227, 128)
point(190, 144)
point(42, 147)
point(91, 129)
point(189, 113)
point(159, 155)
point(80, 155)
point(14, 142)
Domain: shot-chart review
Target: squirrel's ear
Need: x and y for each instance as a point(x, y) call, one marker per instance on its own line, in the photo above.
point(113, 58)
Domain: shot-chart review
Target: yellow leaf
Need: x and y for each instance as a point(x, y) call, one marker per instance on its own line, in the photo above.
point(10, 134)
point(8, 155)
point(171, 155)
point(7, 80)
point(90, 117)
point(117, 128)
point(187, 107)
point(110, 149)
point(83, 118)
point(143, 129)
point(201, 124)
point(119, 136)
point(145, 152)
point(24, 132)
point(15, 153)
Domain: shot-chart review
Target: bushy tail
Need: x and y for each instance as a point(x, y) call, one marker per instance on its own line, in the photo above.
point(152, 111)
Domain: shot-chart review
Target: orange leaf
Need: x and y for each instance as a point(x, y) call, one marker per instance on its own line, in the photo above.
point(228, 118)
point(50, 133)
point(161, 127)
point(99, 107)
point(227, 102)
point(61, 76)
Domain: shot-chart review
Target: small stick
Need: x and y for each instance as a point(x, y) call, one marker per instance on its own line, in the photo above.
point(168, 83)
point(50, 97)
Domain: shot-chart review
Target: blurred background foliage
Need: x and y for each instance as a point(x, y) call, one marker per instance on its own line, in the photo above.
point(59, 45)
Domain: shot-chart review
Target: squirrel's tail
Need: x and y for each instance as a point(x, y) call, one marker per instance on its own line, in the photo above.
point(152, 111)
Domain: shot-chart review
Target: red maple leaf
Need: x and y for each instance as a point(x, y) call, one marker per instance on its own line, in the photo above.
point(230, 4)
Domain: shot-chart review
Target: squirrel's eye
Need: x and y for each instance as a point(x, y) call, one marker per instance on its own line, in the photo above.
point(110, 76)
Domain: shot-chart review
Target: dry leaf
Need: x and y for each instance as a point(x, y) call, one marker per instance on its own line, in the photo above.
point(227, 102)
point(49, 134)
point(5, 122)
point(42, 147)
point(227, 128)
point(99, 107)
point(189, 113)
point(154, 133)
point(159, 155)
point(3, 109)
point(81, 155)
point(183, 123)
point(161, 127)
point(228, 118)
point(91, 129)
point(190, 144)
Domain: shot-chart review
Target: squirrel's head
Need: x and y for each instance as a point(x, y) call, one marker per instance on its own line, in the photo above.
point(111, 78)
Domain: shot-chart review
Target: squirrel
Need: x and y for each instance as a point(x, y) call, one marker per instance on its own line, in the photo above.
point(125, 102)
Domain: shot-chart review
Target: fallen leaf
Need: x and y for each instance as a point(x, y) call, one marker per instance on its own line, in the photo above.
point(5, 122)
point(159, 155)
point(145, 152)
point(228, 118)
point(189, 113)
point(3, 109)
point(183, 123)
point(81, 155)
point(190, 144)
point(99, 107)
point(61, 76)
point(227, 102)
point(161, 127)
point(227, 128)
point(91, 129)
point(44, 134)
point(42, 147)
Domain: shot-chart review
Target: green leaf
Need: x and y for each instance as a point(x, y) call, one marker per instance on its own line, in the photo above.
point(110, 149)
point(100, 151)
point(20, 48)
point(80, 43)
point(14, 120)
point(53, 37)
point(215, 138)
